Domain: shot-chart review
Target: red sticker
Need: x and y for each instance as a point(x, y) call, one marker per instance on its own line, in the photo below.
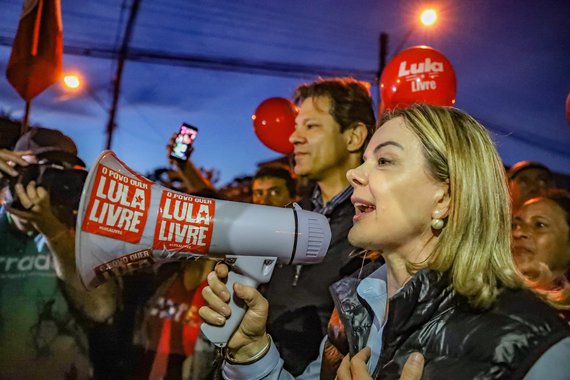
point(124, 264)
point(118, 206)
point(184, 223)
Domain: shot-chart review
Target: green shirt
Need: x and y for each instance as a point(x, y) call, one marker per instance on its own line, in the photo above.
point(39, 338)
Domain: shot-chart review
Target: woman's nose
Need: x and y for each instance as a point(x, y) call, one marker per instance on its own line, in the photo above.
point(356, 177)
point(520, 232)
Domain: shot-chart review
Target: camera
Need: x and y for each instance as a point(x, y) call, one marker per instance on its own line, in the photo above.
point(182, 147)
point(62, 180)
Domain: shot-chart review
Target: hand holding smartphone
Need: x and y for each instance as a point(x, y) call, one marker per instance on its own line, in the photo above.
point(182, 147)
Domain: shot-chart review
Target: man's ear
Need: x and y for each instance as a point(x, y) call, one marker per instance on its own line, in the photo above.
point(355, 137)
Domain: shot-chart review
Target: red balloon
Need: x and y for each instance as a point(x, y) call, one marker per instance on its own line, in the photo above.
point(274, 122)
point(419, 74)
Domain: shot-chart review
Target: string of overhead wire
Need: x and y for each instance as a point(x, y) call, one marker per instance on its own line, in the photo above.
point(95, 19)
point(82, 25)
point(228, 38)
point(234, 20)
point(265, 15)
point(116, 43)
point(75, 40)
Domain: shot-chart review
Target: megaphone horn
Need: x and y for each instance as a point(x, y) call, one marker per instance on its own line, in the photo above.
point(126, 222)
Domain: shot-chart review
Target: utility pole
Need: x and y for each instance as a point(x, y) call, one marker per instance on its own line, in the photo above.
point(428, 17)
point(119, 73)
point(382, 57)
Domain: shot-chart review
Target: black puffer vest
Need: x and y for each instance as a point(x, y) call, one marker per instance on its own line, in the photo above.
point(457, 341)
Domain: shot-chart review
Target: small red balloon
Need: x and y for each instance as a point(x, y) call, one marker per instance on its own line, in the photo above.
point(274, 122)
point(419, 74)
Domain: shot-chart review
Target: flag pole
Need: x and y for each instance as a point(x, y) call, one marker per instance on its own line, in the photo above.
point(36, 58)
point(25, 122)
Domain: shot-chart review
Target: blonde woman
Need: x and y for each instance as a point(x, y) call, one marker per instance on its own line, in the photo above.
point(432, 196)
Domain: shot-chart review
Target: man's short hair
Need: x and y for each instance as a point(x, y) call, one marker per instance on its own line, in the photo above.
point(351, 101)
point(521, 166)
point(279, 171)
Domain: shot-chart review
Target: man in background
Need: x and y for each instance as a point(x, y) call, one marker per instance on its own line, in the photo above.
point(335, 121)
point(528, 179)
point(274, 185)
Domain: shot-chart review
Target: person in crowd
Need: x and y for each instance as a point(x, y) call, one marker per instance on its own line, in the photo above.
point(274, 185)
point(48, 327)
point(528, 179)
point(194, 181)
point(334, 122)
point(541, 245)
point(432, 197)
point(166, 332)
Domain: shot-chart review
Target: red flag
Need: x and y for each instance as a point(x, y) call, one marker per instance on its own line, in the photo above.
point(36, 59)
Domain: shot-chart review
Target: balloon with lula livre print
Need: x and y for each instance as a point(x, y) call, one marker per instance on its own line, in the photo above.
point(419, 74)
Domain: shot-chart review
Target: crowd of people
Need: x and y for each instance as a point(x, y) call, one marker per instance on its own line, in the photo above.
point(442, 263)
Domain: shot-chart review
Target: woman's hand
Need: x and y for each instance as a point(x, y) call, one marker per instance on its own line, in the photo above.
point(355, 368)
point(250, 337)
point(413, 368)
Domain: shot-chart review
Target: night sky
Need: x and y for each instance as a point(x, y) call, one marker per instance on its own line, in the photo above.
point(511, 58)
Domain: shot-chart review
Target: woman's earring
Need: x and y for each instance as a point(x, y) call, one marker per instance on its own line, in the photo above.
point(437, 224)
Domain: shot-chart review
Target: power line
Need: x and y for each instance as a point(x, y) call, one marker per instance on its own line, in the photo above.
point(269, 26)
point(216, 63)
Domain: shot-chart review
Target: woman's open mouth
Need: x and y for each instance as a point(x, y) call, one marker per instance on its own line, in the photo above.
point(362, 208)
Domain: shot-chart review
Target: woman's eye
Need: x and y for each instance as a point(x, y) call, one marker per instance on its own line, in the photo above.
point(540, 225)
point(384, 161)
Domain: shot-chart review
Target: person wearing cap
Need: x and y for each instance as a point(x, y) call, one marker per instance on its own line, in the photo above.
point(42, 303)
point(528, 179)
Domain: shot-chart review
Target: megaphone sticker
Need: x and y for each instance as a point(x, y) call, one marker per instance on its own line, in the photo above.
point(117, 206)
point(124, 264)
point(184, 222)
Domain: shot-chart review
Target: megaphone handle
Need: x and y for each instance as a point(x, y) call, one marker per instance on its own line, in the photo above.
point(219, 335)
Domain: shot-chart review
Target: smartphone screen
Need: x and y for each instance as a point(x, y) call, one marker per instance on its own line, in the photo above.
point(183, 144)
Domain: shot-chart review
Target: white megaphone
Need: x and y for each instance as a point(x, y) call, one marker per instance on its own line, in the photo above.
point(126, 222)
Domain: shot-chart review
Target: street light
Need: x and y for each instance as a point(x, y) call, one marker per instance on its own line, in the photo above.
point(73, 82)
point(428, 17)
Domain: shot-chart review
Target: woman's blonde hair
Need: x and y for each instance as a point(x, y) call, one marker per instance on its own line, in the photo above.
point(475, 244)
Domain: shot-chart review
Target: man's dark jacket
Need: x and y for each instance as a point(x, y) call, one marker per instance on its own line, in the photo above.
point(298, 315)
